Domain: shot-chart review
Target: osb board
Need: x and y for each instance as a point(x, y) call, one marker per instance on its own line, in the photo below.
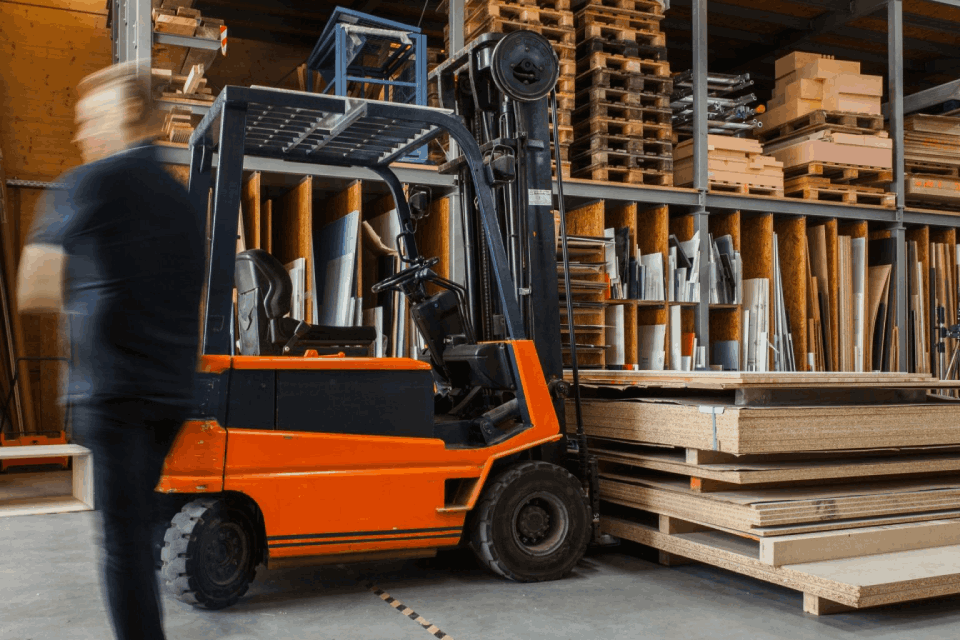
point(653, 227)
point(757, 246)
point(855, 582)
point(683, 227)
point(792, 248)
point(619, 216)
point(725, 324)
point(293, 232)
point(742, 430)
point(433, 238)
point(44, 53)
point(747, 473)
point(250, 206)
point(587, 220)
point(745, 509)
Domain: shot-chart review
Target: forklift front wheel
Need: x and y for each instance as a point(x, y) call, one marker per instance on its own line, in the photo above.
point(210, 554)
point(531, 524)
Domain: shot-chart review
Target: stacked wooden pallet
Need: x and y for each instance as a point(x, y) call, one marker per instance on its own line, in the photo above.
point(552, 19)
point(735, 165)
point(835, 485)
point(824, 124)
point(931, 146)
point(622, 122)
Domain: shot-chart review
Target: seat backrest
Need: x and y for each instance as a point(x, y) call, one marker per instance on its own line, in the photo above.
point(257, 269)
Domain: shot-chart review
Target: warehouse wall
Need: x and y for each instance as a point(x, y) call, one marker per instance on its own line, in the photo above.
point(46, 47)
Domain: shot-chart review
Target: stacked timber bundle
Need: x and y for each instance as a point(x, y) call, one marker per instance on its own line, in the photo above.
point(931, 147)
point(180, 93)
point(845, 487)
point(825, 125)
point(622, 123)
point(735, 165)
point(554, 21)
point(589, 292)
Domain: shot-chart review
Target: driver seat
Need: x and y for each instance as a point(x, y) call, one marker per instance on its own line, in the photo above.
point(264, 297)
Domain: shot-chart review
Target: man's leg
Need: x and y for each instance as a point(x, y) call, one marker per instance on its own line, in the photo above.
point(129, 440)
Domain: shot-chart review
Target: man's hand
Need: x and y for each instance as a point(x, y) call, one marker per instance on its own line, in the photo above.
point(40, 281)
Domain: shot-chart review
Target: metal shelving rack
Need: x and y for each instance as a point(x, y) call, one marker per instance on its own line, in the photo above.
point(131, 28)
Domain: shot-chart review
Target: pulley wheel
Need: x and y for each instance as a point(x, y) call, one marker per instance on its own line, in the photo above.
point(525, 67)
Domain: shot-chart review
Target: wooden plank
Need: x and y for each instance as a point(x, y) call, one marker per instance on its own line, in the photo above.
point(250, 205)
point(293, 237)
point(851, 543)
point(43, 451)
point(730, 380)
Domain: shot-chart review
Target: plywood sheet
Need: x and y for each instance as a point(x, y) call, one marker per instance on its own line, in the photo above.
point(250, 206)
point(293, 232)
point(712, 426)
point(716, 380)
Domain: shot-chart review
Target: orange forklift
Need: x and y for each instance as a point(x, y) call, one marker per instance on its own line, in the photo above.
point(302, 448)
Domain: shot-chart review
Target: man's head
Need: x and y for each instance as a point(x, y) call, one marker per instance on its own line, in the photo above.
point(115, 109)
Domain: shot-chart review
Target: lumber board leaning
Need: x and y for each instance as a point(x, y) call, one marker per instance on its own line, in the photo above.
point(712, 426)
point(855, 582)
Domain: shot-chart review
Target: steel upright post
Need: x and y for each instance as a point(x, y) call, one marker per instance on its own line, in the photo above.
point(895, 79)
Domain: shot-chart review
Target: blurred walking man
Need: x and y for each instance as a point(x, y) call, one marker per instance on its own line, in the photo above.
point(121, 252)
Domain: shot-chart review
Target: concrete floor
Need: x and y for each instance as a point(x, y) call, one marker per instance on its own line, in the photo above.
point(49, 591)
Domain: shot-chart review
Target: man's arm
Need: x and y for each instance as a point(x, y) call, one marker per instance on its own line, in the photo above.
point(40, 278)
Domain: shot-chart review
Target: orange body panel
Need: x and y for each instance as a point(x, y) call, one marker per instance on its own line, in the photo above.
point(326, 494)
point(196, 459)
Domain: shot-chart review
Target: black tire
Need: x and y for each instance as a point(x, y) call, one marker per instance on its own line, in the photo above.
point(210, 554)
point(531, 523)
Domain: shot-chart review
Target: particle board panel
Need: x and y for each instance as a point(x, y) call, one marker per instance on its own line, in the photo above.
point(853, 582)
point(744, 509)
point(433, 239)
point(587, 220)
point(792, 248)
point(654, 231)
point(250, 206)
point(852, 466)
point(293, 232)
point(743, 430)
point(852, 543)
point(715, 380)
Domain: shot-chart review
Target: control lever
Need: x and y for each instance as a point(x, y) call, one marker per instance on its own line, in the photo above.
point(299, 332)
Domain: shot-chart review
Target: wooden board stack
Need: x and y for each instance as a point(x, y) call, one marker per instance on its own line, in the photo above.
point(825, 125)
point(735, 165)
point(622, 123)
point(552, 19)
point(931, 146)
point(180, 18)
point(834, 485)
point(186, 90)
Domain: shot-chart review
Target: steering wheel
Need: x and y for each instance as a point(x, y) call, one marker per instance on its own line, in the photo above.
point(410, 274)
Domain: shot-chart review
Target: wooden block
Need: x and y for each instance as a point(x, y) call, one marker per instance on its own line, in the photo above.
point(193, 80)
point(853, 84)
point(176, 25)
point(793, 61)
point(674, 526)
point(852, 543)
point(803, 89)
point(830, 152)
point(186, 12)
point(83, 479)
point(671, 560)
point(821, 606)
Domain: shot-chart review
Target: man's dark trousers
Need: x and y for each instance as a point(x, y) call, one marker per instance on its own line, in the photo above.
point(129, 439)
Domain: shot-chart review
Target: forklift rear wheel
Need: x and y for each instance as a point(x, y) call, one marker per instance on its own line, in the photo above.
point(531, 524)
point(210, 554)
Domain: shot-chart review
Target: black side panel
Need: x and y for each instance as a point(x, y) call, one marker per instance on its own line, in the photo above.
point(251, 403)
point(382, 403)
point(211, 397)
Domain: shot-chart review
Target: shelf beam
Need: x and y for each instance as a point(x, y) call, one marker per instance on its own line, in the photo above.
point(928, 98)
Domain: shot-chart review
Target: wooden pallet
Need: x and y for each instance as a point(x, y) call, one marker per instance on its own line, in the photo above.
point(933, 169)
point(613, 62)
point(565, 37)
point(640, 146)
point(841, 173)
point(556, 5)
point(623, 175)
point(637, 7)
point(619, 111)
point(633, 82)
point(815, 188)
point(743, 188)
point(943, 191)
point(623, 160)
point(598, 15)
point(612, 127)
point(525, 13)
point(623, 48)
point(817, 120)
point(640, 37)
point(831, 586)
point(626, 97)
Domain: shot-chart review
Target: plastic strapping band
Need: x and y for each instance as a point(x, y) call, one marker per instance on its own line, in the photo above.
point(714, 412)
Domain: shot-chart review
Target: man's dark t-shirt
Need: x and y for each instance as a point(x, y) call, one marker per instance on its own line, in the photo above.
point(134, 270)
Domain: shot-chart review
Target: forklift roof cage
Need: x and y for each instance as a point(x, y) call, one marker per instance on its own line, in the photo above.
point(327, 130)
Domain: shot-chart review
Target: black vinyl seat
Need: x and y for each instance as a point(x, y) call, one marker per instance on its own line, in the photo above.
point(264, 297)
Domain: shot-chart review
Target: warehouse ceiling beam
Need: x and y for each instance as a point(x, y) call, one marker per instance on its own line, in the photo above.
point(749, 13)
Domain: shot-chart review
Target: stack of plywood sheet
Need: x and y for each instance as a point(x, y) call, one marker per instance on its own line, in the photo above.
point(178, 17)
point(552, 19)
point(831, 484)
point(735, 164)
point(824, 123)
point(622, 122)
point(931, 146)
